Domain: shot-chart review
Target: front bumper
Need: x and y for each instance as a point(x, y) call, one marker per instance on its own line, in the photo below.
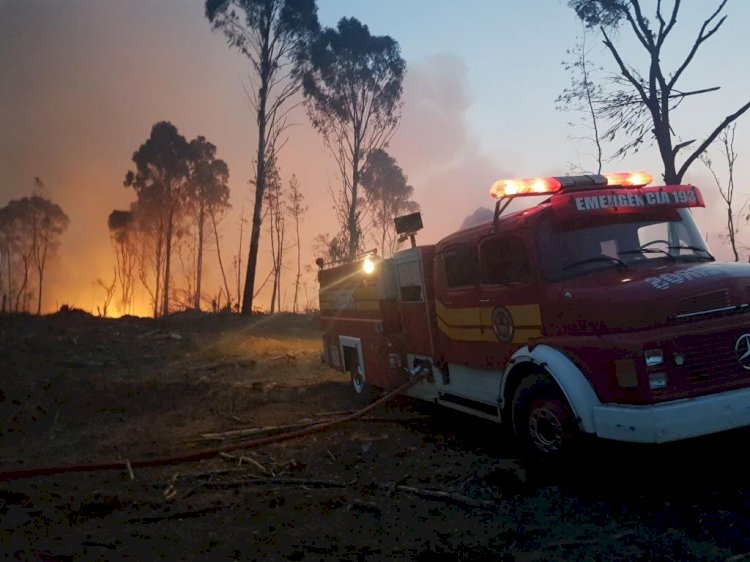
point(672, 421)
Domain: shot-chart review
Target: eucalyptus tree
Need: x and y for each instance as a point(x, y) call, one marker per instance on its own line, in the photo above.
point(272, 34)
point(641, 102)
point(388, 195)
point(208, 196)
point(352, 85)
point(161, 182)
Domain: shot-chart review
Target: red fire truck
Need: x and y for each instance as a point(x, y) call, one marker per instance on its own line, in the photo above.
point(598, 311)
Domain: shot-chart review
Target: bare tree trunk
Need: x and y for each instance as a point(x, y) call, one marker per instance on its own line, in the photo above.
point(295, 307)
point(158, 269)
point(218, 255)
point(25, 282)
point(352, 222)
point(199, 259)
point(239, 255)
point(167, 263)
point(278, 265)
point(272, 219)
point(39, 290)
point(260, 174)
point(730, 229)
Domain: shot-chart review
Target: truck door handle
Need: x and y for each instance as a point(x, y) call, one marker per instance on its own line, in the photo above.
point(484, 301)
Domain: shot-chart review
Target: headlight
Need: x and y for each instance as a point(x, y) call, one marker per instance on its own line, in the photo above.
point(657, 381)
point(653, 357)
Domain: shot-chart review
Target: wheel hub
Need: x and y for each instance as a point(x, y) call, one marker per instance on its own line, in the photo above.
point(546, 430)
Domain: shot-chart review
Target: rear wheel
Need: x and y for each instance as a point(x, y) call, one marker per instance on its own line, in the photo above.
point(542, 418)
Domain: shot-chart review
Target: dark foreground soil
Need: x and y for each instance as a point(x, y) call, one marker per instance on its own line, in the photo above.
point(407, 483)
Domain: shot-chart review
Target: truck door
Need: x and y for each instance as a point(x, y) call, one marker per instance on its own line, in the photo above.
point(411, 302)
point(508, 307)
point(456, 303)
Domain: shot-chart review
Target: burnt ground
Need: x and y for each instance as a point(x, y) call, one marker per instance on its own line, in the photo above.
point(408, 483)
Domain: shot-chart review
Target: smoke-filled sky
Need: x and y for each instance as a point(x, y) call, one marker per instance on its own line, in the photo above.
point(83, 81)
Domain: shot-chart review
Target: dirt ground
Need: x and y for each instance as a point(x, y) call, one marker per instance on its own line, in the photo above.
point(409, 482)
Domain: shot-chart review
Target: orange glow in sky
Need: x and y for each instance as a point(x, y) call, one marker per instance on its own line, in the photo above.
point(82, 83)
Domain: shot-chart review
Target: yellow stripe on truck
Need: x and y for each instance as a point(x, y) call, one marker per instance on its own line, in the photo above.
point(457, 316)
point(475, 323)
point(466, 334)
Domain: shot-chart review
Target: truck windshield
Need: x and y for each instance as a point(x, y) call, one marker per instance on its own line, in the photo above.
point(571, 249)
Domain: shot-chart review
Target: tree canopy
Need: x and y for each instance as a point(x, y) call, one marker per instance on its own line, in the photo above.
point(388, 195)
point(352, 85)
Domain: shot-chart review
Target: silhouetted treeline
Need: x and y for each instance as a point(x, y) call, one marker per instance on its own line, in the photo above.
point(182, 194)
point(30, 231)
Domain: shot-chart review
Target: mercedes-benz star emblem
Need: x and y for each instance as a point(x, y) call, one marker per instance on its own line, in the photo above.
point(742, 350)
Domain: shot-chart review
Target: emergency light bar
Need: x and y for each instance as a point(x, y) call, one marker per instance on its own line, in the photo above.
point(502, 189)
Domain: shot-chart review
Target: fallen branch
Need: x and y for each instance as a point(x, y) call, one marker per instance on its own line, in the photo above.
point(440, 495)
point(248, 459)
point(277, 482)
point(452, 497)
point(208, 474)
point(228, 417)
point(180, 515)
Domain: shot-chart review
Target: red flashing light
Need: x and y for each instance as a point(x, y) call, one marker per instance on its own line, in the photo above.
point(530, 186)
point(629, 179)
point(539, 186)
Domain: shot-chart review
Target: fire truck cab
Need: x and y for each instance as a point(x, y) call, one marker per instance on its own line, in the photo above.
point(598, 311)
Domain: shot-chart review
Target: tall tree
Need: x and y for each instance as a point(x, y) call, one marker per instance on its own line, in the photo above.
point(271, 33)
point(352, 86)
point(388, 195)
point(296, 208)
point(641, 106)
point(160, 181)
point(208, 195)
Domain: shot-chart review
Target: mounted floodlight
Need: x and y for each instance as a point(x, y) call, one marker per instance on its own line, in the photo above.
point(407, 226)
point(629, 179)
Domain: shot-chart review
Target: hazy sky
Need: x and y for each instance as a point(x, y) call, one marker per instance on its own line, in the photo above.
point(83, 81)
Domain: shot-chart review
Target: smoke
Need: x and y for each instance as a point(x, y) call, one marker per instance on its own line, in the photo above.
point(482, 214)
point(435, 147)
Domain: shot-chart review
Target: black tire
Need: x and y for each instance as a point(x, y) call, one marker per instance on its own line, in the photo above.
point(543, 421)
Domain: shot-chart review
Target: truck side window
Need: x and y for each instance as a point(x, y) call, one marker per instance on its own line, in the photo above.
point(461, 266)
point(410, 282)
point(504, 260)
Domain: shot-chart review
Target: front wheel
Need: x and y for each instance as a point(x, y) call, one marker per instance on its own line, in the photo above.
point(542, 418)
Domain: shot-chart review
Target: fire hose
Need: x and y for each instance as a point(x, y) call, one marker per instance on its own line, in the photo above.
point(415, 375)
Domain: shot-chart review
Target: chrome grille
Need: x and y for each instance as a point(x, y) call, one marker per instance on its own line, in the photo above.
point(710, 356)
